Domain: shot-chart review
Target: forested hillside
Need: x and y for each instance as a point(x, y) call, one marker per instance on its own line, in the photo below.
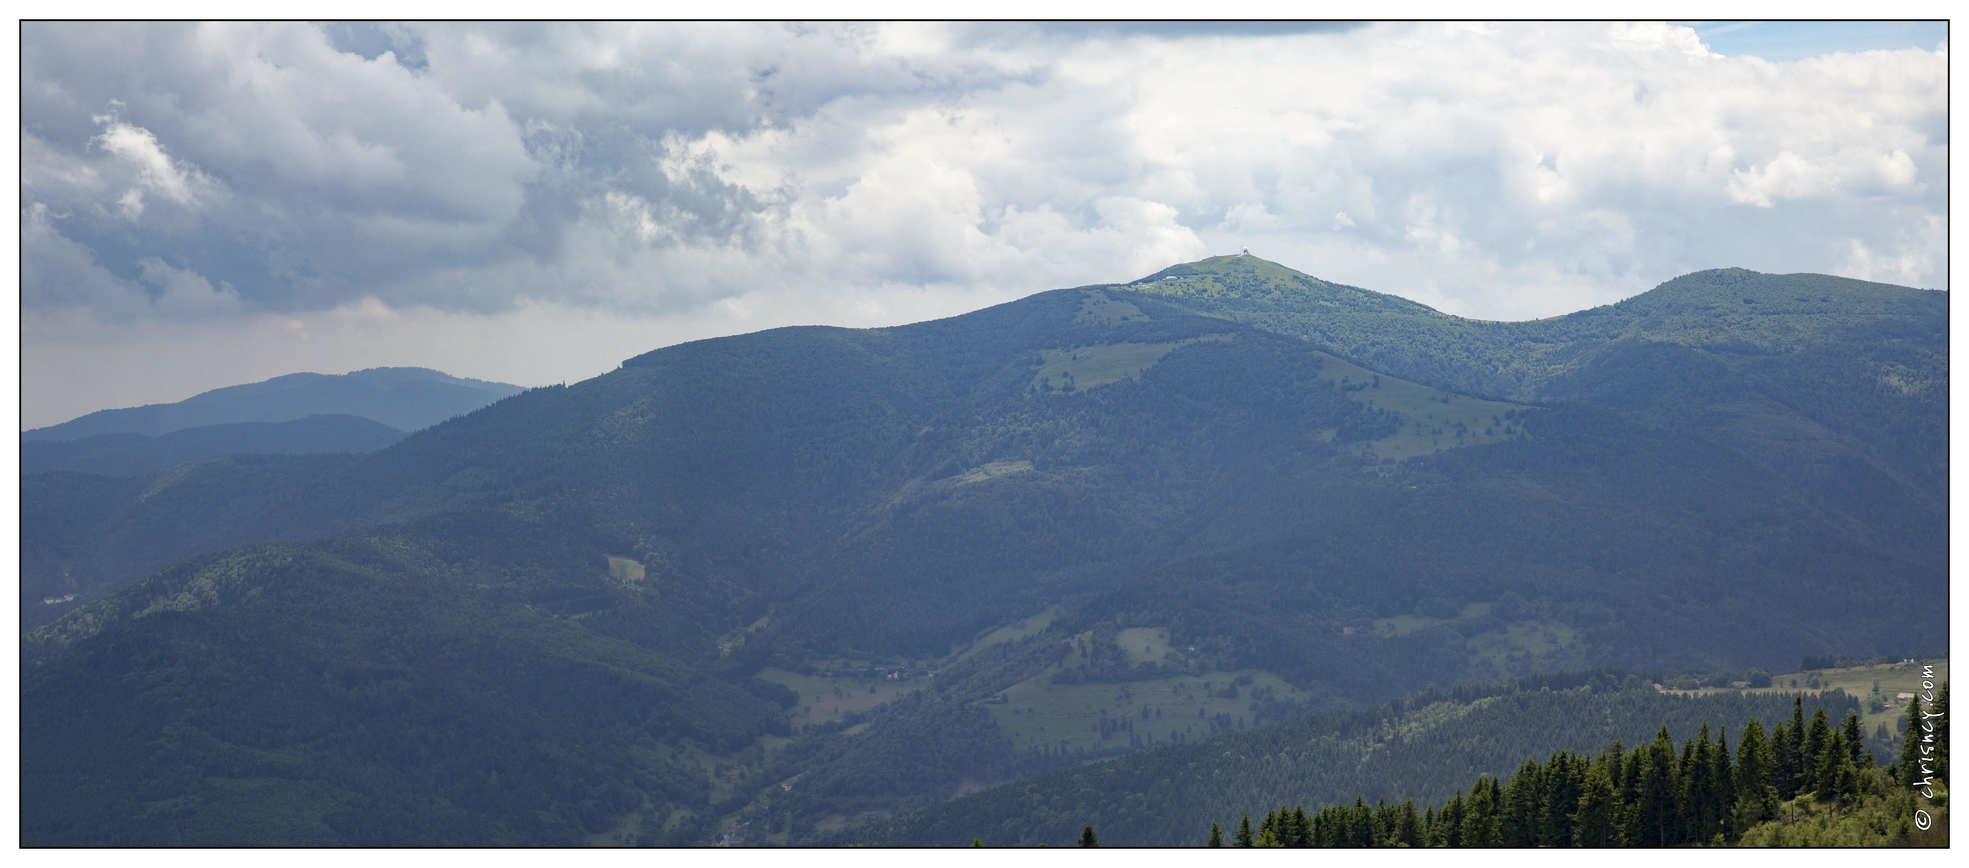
point(85, 535)
point(1841, 384)
point(144, 455)
point(1815, 786)
point(1424, 748)
point(913, 562)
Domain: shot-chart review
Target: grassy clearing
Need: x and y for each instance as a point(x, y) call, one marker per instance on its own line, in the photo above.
point(1402, 625)
point(1038, 712)
point(830, 697)
point(1096, 308)
point(1144, 644)
point(625, 570)
point(1020, 629)
point(1530, 646)
point(1432, 419)
point(1875, 685)
point(1077, 368)
point(1519, 649)
point(988, 472)
point(824, 699)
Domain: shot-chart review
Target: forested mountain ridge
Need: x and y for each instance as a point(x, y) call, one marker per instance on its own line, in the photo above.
point(1837, 382)
point(1724, 309)
point(84, 535)
point(146, 455)
point(941, 555)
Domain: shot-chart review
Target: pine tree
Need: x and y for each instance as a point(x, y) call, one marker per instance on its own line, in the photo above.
point(1408, 826)
point(1817, 740)
point(1594, 823)
point(1243, 838)
point(1088, 838)
point(1707, 808)
point(1757, 794)
point(1940, 709)
point(1657, 818)
point(1268, 831)
point(1631, 818)
point(1216, 836)
point(1907, 769)
point(1856, 742)
point(1451, 818)
point(1518, 814)
point(1800, 762)
point(1845, 782)
point(1835, 752)
point(1690, 789)
point(1784, 763)
point(1480, 815)
point(1565, 776)
point(1300, 830)
point(1723, 796)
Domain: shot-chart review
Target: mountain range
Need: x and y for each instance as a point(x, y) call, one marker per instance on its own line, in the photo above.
point(819, 576)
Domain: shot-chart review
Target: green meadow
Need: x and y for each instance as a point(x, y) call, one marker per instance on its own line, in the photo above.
point(1077, 368)
point(1431, 419)
point(1875, 685)
point(824, 699)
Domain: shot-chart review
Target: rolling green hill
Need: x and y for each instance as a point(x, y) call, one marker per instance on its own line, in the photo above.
point(938, 557)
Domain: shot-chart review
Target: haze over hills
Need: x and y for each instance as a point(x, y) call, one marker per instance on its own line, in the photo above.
point(882, 566)
point(406, 399)
point(143, 455)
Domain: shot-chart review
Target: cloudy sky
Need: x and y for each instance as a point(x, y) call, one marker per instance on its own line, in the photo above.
point(208, 205)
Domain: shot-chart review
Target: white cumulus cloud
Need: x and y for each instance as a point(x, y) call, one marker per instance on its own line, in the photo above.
point(721, 177)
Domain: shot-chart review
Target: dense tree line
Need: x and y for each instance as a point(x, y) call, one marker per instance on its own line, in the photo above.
point(1651, 796)
point(1422, 747)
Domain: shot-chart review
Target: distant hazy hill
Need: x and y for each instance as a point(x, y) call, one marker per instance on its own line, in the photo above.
point(142, 455)
point(406, 399)
point(761, 588)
